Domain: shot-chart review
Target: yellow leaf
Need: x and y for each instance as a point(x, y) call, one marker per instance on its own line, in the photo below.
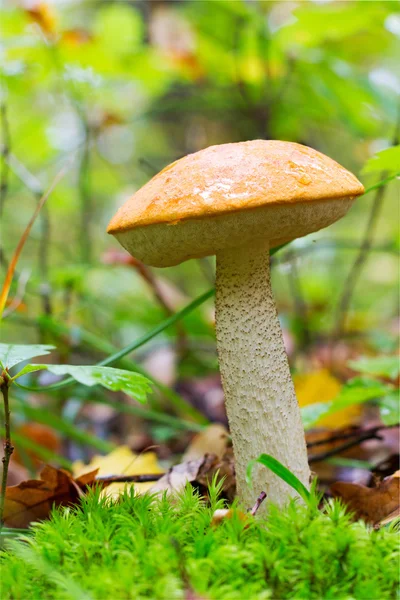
point(121, 461)
point(321, 386)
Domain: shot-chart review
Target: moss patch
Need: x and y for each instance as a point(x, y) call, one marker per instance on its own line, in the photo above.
point(152, 548)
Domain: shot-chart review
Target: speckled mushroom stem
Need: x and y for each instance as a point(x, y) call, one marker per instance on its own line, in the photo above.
point(261, 404)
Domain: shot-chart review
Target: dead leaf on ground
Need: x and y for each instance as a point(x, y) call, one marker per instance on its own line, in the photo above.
point(213, 440)
point(178, 476)
point(200, 472)
point(121, 461)
point(33, 500)
point(373, 505)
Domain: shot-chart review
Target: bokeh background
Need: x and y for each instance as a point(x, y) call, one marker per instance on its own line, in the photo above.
point(116, 91)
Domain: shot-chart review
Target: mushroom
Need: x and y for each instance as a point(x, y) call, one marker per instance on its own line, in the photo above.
point(236, 201)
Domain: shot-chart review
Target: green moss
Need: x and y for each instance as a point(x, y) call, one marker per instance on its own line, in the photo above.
point(153, 548)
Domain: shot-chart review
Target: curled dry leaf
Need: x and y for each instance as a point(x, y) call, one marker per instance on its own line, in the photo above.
point(33, 500)
point(200, 472)
point(373, 505)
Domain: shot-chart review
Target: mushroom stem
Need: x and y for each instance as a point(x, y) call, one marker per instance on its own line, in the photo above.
point(261, 403)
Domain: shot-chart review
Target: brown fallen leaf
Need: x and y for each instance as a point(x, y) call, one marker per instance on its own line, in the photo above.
point(178, 476)
point(373, 505)
point(224, 468)
point(212, 440)
point(200, 473)
point(33, 500)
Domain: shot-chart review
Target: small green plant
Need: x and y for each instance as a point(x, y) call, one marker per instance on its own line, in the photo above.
point(150, 547)
point(11, 355)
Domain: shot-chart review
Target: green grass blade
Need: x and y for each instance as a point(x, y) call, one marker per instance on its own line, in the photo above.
point(281, 471)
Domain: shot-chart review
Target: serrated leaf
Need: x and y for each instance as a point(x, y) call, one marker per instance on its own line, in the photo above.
point(387, 161)
point(356, 391)
point(390, 408)
point(382, 366)
point(13, 354)
point(281, 471)
point(117, 380)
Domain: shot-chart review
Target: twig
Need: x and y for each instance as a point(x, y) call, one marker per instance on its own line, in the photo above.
point(299, 303)
point(258, 503)
point(350, 434)
point(5, 152)
point(130, 478)
point(85, 196)
point(44, 261)
point(343, 447)
point(8, 447)
point(355, 271)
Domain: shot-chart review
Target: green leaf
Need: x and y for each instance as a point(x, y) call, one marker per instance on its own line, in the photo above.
point(382, 366)
point(29, 369)
point(281, 471)
point(356, 391)
point(135, 385)
point(387, 161)
point(12, 354)
point(390, 408)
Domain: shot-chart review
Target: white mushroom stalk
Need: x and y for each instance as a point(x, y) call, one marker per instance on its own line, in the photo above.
point(261, 404)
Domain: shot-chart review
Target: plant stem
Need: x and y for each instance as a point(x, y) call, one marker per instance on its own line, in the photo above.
point(8, 448)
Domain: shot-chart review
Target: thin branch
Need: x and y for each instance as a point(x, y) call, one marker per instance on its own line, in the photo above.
point(85, 197)
point(5, 152)
point(299, 303)
point(343, 447)
point(8, 447)
point(258, 503)
point(355, 271)
point(130, 478)
point(356, 432)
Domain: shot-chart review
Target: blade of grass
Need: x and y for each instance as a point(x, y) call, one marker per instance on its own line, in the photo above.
point(17, 253)
point(281, 471)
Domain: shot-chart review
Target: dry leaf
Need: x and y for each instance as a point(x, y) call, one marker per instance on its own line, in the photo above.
point(213, 440)
point(178, 476)
point(200, 472)
point(121, 461)
point(373, 505)
point(43, 436)
point(321, 386)
point(223, 468)
point(33, 500)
